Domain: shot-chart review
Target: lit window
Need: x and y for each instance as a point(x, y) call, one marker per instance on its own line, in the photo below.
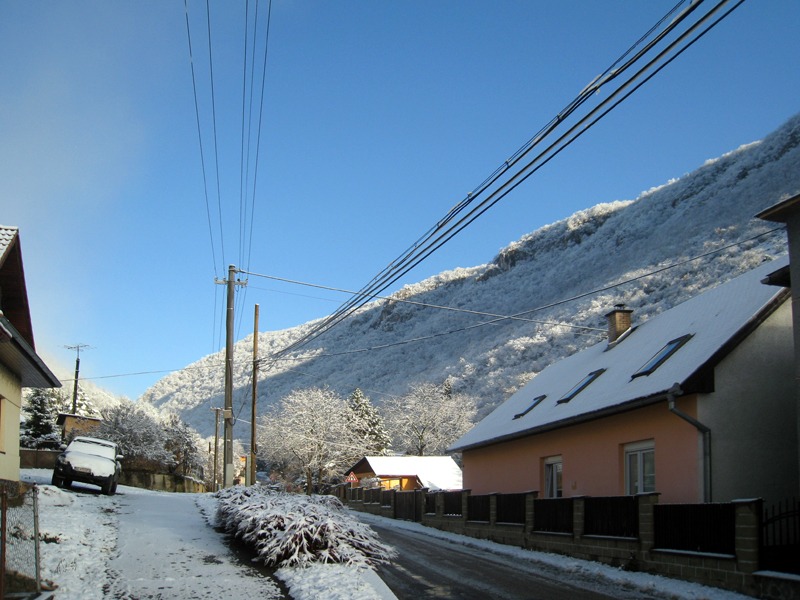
point(533, 405)
point(552, 477)
point(661, 356)
point(640, 468)
point(582, 385)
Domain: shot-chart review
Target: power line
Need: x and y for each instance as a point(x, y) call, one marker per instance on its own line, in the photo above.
point(422, 304)
point(271, 360)
point(443, 231)
point(200, 138)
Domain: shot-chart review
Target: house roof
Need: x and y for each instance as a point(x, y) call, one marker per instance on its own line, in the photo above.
point(716, 320)
point(13, 293)
point(433, 472)
point(17, 350)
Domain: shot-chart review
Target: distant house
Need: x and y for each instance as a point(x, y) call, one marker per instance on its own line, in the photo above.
point(698, 404)
point(72, 425)
point(407, 472)
point(20, 366)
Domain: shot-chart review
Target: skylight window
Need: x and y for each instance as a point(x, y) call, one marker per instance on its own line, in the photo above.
point(662, 355)
point(582, 385)
point(534, 404)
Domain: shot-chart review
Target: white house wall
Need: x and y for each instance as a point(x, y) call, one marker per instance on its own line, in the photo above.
point(10, 402)
point(753, 415)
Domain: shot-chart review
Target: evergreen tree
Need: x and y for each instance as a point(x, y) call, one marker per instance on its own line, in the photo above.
point(41, 410)
point(367, 424)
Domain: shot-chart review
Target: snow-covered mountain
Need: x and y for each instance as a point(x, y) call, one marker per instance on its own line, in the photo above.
point(561, 279)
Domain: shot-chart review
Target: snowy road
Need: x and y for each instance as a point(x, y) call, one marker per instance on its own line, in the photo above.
point(434, 568)
point(160, 546)
point(438, 564)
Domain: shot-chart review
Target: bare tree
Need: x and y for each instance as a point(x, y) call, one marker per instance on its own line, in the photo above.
point(429, 418)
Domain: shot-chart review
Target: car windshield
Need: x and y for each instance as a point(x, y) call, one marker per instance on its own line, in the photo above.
point(90, 447)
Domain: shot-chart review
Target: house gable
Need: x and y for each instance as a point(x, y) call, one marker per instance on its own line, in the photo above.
point(716, 320)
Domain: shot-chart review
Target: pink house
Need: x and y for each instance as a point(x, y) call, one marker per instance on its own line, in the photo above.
point(697, 404)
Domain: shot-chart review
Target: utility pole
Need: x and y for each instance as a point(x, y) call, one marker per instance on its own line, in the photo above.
point(253, 447)
point(228, 436)
point(227, 468)
point(78, 348)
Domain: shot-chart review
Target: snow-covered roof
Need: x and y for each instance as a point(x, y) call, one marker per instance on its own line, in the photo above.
point(434, 472)
point(715, 320)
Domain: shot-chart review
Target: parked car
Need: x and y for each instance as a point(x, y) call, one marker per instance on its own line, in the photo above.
point(89, 460)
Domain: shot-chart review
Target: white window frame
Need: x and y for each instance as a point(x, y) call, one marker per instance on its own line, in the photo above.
point(553, 477)
point(637, 482)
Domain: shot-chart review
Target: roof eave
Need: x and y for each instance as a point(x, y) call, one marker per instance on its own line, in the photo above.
point(20, 358)
point(574, 420)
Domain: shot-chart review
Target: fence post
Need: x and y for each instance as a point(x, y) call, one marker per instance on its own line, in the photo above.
point(420, 497)
point(647, 533)
point(748, 534)
point(439, 503)
point(529, 504)
point(578, 509)
point(36, 549)
point(493, 509)
point(465, 505)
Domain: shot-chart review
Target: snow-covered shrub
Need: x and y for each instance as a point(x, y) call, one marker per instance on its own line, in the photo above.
point(297, 530)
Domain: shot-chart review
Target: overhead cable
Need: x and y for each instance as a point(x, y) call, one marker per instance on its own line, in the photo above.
point(445, 228)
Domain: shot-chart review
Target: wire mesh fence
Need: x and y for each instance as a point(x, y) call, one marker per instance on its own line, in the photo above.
point(19, 540)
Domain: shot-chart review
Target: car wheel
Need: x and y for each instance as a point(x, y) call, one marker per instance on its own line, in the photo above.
point(114, 488)
point(58, 481)
point(108, 487)
point(67, 483)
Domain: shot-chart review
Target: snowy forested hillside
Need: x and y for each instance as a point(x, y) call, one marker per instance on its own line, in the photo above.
point(550, 275)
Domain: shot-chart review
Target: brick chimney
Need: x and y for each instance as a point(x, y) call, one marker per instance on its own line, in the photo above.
point(619, 321)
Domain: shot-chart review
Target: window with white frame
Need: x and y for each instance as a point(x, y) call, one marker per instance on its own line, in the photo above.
point(640, 467)
point(552, 477)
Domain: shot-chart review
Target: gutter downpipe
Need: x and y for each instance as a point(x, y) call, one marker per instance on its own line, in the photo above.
point(672, 393)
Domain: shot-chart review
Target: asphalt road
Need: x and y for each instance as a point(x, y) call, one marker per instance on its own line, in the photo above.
point(428, 567)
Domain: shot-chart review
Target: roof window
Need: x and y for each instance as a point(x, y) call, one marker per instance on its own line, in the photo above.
point(534, 404)
point(582, 385)
point(662, 355)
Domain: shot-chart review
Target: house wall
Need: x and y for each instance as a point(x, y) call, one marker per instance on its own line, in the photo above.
point(593, 456)
point(753, 415)
point(10, 403)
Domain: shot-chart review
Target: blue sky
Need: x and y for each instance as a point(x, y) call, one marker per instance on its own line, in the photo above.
point(377, 118)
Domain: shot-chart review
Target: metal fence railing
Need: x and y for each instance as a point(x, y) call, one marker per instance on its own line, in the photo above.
point(19, 540)
point(616, 516)
point(695, 527)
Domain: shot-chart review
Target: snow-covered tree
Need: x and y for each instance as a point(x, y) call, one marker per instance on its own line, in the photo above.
point(185, 445)
point(138, 434)
point(429, 418)
point(41, 409)
point(309, 429)
point(367, 426)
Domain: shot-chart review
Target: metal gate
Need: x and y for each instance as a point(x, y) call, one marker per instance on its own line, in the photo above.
point(780, 537)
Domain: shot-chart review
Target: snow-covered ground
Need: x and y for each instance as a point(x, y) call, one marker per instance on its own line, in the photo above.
point(143, 544)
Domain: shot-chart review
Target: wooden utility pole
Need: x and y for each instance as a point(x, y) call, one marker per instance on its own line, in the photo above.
point(253, 446)
point(76, 347)
point(228, 414)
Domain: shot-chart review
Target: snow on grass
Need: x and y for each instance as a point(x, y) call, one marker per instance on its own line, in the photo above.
point(294, 530)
